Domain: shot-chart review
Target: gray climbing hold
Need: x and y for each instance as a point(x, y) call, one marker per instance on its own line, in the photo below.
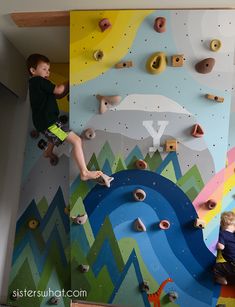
point(84, 268)
point(105, 180)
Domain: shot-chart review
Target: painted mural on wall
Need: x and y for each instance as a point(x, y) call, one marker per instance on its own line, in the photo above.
point(154, 109)
point(41, 256)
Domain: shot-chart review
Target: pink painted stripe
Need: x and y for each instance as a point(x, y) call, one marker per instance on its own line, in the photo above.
point(231, 155)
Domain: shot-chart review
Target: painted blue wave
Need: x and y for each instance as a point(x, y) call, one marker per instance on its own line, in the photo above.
point(179, 252)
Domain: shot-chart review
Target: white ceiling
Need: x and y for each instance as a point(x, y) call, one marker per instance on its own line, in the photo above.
point(54, 41)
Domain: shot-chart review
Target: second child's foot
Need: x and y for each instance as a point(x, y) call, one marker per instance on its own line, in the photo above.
point(221, 281)
point(87, 175)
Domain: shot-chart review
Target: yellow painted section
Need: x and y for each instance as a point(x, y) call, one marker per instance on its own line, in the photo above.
point(86, 37)
point(59, 74)
point(230, 302)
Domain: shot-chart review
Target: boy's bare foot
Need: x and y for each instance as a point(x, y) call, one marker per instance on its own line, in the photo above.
point(86, 175)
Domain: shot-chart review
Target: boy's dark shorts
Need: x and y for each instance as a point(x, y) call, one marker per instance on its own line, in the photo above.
point(57, 133)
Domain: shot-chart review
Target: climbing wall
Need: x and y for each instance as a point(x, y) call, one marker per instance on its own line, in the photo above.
point(159, 102)
point(41, 254)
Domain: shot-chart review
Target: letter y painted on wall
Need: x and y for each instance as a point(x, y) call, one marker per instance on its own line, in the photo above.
point(156, 135)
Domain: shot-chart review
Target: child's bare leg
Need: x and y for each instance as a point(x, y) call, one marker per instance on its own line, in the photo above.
point(48, 153)
point(76, 141)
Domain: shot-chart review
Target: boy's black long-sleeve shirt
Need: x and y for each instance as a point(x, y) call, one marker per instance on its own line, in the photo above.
point(45, 110)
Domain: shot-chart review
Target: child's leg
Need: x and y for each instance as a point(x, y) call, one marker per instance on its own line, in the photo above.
point(76, 141)
point(48, 153)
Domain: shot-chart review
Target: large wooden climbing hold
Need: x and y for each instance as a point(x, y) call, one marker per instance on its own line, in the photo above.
point(126, 64)
point(160, 24)
point(54, 300)
point(215, 98)
point(171, 145)
point(89, 134)
point(172, 296)
point(156, 63)
point(211, 204)
point(104, 24)
point(144, 286)
point(84, 268)
point(139, 195)
point(80, 219)
point(199, 223)
point(164, 224)
point(177, 60)
point(141, 164)
point(33, 224)
point(197, 131)
point(107, 102)
point(139, 225)
point(215, 45)
point(105, 180)
point(205, 66)
point(98, 55)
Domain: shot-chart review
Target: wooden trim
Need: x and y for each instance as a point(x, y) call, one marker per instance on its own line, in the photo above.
point(61, 18)
point(41, 19)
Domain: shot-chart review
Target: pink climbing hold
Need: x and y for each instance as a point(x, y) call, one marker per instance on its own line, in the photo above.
point(104, 24)
point(164, 224)
point(197, 131)
point(160, 24)
point(107, 102)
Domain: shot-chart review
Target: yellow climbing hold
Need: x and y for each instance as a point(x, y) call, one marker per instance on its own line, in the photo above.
point(156, 63)
point(215, 45)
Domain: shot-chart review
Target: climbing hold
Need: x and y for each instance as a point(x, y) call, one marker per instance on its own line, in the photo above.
point(107, 102)
point(34, 134)
point(54, 300)
point(54, 160)
point(141, 164)
point(198, 223)
point(160, 24)
point(215, 98)
point(164, 224)
point(104, 180)
point(144, 286)
point(156, 63)
point(80, 219)
point(33, 224)
point(104, 24)
point(98, 55)
point(215, 45)
point(177, 60)
point(197, 131)
point(211, 204)
point(84, 268)
point(171, 145)
point(126, 64)
point(139, 225)
point(42, 144)
point(139, 195)
point(89, 134)
point(172, 295)
point(205, 66)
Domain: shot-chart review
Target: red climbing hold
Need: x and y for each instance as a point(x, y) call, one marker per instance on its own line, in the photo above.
point(197, 131)
point(104, 24)
point(160, 24)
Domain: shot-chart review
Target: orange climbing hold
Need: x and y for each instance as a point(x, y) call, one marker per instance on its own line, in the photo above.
point(211, 204)
point(141, 164)
point(33, 224)
point(215, 98)
point(126, 64)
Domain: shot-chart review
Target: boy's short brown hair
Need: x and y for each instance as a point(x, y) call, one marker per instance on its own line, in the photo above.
point(227, 218)
point(34, 59)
